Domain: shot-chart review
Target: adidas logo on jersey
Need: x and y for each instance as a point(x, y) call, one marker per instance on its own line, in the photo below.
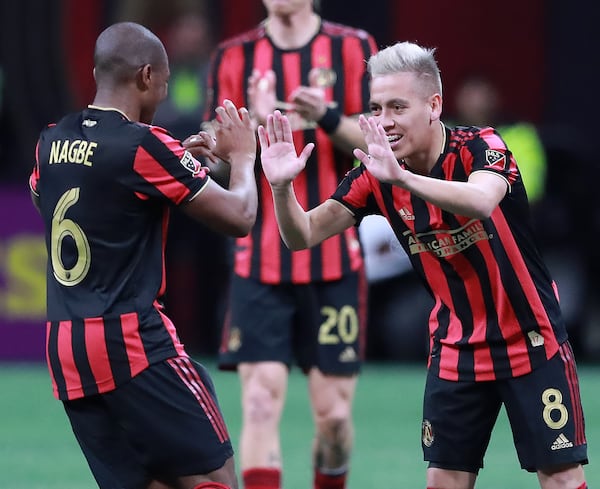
point(348, 355)
point(561, 442)
point(405, 214)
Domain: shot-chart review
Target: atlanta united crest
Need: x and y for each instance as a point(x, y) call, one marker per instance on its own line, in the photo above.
point(323, 77)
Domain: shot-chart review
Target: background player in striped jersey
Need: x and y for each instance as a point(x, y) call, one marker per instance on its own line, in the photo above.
point(457, 204)
point(143, 412)
point(306, 307)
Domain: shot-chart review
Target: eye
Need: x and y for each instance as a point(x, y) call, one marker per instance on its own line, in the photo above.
point(375, 109)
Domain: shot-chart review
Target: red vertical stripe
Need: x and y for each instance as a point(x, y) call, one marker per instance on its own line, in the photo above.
point(170, 329)
point(518, 264)
point(449, 353)
point(54, 386)
point(243, 256)
point(353, 88)
point(291, 70)
point(518, 354)
point(263, 56)
point(67, 360)
point(134, 346)
point(270, 248)
point(230, 82)
point(327, 179)
point(95, 341)
point(301, 260)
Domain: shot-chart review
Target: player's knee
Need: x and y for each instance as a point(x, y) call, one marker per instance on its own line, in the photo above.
point(571, 475)
point(334, 426)
point(260, 406)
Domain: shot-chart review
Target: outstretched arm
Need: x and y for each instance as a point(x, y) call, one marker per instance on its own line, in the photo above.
point(233, 210)
point(477, 197)
point(299, 229)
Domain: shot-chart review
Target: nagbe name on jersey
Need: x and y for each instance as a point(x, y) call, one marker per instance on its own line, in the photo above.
point(72, 151)
point(448, 242)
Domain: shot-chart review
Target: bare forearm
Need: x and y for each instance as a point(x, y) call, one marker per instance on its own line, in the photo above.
point(292, 219)
point(242, 184)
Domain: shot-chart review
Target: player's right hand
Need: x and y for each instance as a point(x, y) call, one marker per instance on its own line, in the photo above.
point(234, 133)
point(278, 157)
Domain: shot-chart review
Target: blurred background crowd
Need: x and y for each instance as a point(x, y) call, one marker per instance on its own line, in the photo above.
point(527, 68)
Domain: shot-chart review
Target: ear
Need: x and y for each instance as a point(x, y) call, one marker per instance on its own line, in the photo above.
point(143, 77)
point(435, 104)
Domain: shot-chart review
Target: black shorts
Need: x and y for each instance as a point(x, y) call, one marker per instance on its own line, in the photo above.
point(543, 408)
point(163, 424)
point(314, 325)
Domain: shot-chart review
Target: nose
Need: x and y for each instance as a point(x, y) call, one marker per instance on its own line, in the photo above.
point(385, 119)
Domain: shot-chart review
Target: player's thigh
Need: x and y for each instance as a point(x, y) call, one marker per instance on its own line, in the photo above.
point(171, 416)
point(458, 418)
point(544, 408)
point(260, 324)
point(330, 330)
point(113, 461)
point(331, 396)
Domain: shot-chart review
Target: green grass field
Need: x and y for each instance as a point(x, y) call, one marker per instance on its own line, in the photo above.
point(38, 450)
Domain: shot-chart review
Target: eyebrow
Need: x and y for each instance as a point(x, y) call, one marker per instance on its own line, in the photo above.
point(394, 101)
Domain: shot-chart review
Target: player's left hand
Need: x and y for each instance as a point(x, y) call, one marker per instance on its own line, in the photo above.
point(380, 161)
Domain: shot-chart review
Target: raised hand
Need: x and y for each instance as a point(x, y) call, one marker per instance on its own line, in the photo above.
point(280, 162)
point(380, 161)
point(261, 94)
point(234, 133)
point(310, 101)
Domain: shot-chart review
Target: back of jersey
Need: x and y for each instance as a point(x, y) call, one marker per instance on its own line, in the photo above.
point(98, 230)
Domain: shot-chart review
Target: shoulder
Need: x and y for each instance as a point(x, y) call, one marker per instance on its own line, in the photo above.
point(474, 137)
point(334, 29)
point(246, 37)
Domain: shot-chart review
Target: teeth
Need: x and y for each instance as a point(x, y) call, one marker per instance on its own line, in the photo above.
point(391, 139)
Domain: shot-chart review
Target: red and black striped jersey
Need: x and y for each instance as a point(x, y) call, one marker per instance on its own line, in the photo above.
point(496, 311)
point(105, 185)
point(338, 54)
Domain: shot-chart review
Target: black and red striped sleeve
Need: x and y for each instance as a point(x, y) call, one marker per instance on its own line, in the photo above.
point(163, 168)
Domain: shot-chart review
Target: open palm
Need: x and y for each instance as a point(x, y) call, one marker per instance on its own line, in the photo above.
point(380, 161)
point(280, 162)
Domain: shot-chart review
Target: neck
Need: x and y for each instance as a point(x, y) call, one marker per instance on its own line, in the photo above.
point(424, 163)
point(108, 100)
point(292, 31)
